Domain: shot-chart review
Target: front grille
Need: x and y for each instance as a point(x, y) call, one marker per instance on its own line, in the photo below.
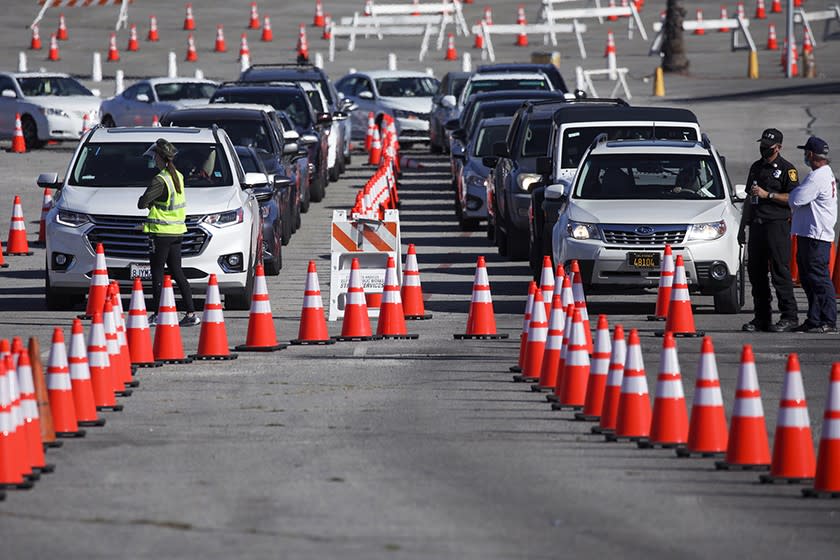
point(659, 235)
point(123, 238)
point(408, 133)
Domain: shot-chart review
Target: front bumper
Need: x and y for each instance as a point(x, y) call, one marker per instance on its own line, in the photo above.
point(412, 129)
point(56, 127)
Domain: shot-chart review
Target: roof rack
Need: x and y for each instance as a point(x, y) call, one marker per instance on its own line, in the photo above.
point(258, 84)
point(282, 65)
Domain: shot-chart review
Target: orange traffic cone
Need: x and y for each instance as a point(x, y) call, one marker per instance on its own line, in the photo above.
point(302, 43)
point(793, 446)
point(776, 7)
point(192, 54)
point(835, 272)
point(13, 467)
point(598, 373)
point(113, 53)
point(724, 28)
point(99, 365)
point(137, 330)
point(120, 370)
point(553, 347)
point(612, 17)
point(3, 263)
point(807, 44)
point(610, 49)
point(523, 335)
point(699, 30)
point(522, 36)
point(221, 44)
point(213, 341)
point(827, 478)
point(488, 15)
point(31, 418)
point(451, 53)
point(370, 128)
point(133, 43)
point(53, 53)
point(481, 321)
point(536, 340)
point(391, 322)
point(168, 346)
point(669, 425)
point(576, 369)
point(760, 10)
point(189, 20)
point(318, 20)
point(707, 434)
point(61, 33)
point(267, 35)
point(666, 283)
point(375, 154)
point(748, 448)
point(411, 292)
point(153, 34)
point(479, 37)
point(41, 394)
point(356, 323)
point(568, 330)
point(83, 400)
point(35, 42)
point(15, 413)
point(680, 320)
point(17, 243)
point(254, 20)
point(313, 325)
point(547, 283)
point(85, 124)
point(327, 34)
point(98, 285)
point(580, 303)
point(261, 337)
point(60, 390)
point(633, 416)
point(18, 142)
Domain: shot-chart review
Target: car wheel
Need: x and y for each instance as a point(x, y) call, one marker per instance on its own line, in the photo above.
point(727, 300)
point(108, 121)
point(60, 300)
point(30, 133)
point(273, 266)
point(317, 190)
point(240, 300)
point(517, 244)
point(348, 159)
point(500, 238)
point(434, 148)
point(286, 229)
point(304, 199)
point(334, 173)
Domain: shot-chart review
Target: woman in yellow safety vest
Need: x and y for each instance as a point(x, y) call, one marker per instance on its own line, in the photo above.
point(166, 225)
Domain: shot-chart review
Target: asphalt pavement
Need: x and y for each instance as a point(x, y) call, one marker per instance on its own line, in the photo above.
point(409, 449)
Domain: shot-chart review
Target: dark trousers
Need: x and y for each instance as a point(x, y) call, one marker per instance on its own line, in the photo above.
point(769, 248)
point(166, 250)
point(812, 257)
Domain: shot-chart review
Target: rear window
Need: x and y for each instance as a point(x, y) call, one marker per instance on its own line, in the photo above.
point(576, 139)
point(479, 86)
point(535, 143)
point(119, 165)
point(294, 104)
point(406, 87)
point(252, 134)
point(176, 91)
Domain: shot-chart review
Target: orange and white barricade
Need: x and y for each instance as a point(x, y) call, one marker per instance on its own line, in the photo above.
point(122, 18)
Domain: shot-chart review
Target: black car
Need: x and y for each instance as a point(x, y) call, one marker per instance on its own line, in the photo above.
point(442, 112)
point(290, 98)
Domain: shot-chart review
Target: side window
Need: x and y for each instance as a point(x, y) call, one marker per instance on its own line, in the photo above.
point(513, 131)
point(131, 93)
point(347, 86)
point(7, 83)
point(237, 165)
point(363, 84)
point(144, 88)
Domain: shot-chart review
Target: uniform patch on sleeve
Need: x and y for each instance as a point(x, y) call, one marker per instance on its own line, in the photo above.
point(792, 174)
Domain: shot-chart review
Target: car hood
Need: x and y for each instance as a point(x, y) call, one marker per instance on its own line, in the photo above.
point(415, 104)
point(181, 103)
point(646, 211)
point(78, 103)
point(123, 201)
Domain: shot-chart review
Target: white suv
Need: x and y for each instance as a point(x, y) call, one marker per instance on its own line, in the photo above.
point(97, 203)
point(631, 197)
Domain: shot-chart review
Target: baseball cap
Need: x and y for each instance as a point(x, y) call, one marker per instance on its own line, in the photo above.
point(771, 136)
point(163, 148)
point(816, 145)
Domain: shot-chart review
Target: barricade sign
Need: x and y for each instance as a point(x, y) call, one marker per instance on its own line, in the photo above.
point(548, 30)
point(553, 15)
point(371, 241)
point(800, 16)
point(740, 29)
point(122, 18)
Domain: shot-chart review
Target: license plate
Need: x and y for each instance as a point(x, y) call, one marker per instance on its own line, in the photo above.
point(643, 261)
point(141, 271)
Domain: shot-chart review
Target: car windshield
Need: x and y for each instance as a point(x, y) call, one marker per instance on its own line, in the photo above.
point(53, 85)
point(649, 176)
point(175, 91)
point(406, 87)
point(479, 86)
point(123, 165)
point(252, 134)
point(487, 136)
point(535, 143)
point(294, 104)
point(249, 164)
point(456, 85)
point(577, 139)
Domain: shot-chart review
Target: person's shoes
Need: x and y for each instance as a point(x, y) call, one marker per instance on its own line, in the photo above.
point(755, 326)
point(152, 320)
point(784, 325)
point(811, 329)
point(189, 320)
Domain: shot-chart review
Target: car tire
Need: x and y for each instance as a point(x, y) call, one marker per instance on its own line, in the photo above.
point(434, 148)
point(286, 229)
point(298, 220)
point(727, 300)
point(500, 238)
point(60, 300)
point(273, 267)
point(304, 200)
point(240, 300)
point(317, 190)
point(108, 121)
point(335, 173)
point(30, 133)
point(517, 245)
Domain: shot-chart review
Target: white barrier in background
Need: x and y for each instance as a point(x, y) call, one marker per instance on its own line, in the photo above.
point(801, 17)
point(417, 24)
point(122, 18)
point(620, 80)
point(548, 30)
point(352, 32)
point(740, 28)
point(451, 8)
point(552, 16)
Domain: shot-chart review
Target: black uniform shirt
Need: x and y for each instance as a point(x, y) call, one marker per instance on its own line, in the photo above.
point(777, 177)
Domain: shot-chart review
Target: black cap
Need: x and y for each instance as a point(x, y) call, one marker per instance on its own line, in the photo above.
point(816, 145)
point(771, 136)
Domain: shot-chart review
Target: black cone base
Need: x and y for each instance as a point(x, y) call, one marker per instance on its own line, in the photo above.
point(425, 317)
point(77, 434)
point(560, 406)
point(148, 364)
point(682, 334)
point(655, 318)
point(724, 466)
point(400, 336)
point(357, 338)
point(299, 342)
point(53, 444)
point(770, 479)
point(219, 357)
point(246, 348)
point(115, 408)
point(684, 452)
point(501, 336)
point(814, 493)
point(515, 369)
point(92, 423)
point(581, 417)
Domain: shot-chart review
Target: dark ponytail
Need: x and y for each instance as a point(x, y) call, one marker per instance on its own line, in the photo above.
point(170, 167)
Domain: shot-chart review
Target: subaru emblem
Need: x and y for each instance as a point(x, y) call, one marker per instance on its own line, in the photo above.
point(644, 231)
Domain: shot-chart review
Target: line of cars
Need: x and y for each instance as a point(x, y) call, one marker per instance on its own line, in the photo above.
point(592, 180)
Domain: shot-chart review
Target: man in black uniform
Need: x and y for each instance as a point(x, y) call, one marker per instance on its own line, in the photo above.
point(769, 241)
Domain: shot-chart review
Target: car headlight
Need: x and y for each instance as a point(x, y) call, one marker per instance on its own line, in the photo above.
point(580, 230)
point(225, 219)
point(706, 232)
point(475, 182)
point(527, 180)
point(71, 219)
point(54, 112)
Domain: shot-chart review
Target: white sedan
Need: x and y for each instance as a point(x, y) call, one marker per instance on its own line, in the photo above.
point(52, 106)
point(139, 104)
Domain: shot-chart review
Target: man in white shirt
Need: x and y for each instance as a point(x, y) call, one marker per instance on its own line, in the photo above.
point(814, 213)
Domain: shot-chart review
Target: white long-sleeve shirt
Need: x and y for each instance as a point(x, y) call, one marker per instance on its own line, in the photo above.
point(814, 205)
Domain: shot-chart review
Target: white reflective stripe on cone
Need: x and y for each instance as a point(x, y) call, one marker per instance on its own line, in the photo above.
point(481, 295)
point(577, 358)
point(313, 302)
point(167, 318)
point(59, 382)
point(30, 408)
point(669, 389)
point(748, 407)
point(794, 417)
point(634, 384)
point(831, 429)
point(260, 307)
point(137, 321)
point(213, 316)
point(391, 296)
point(679, 294)
point(708, 396)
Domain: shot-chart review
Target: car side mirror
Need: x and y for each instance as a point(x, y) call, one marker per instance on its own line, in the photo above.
point(48, 181)
point(281, 182)
point(500, 149)
point(340, 116)
point(448, 101)
point(365, 95)
point(307, 139)
point(142, 98)
point(348, 105)
point(324, 118)
point(290, 148)
point(453, 124)
point(96, 92)
point(10, 93)
point(558, 191)
point(254, 179)
point(489, 161)
point(740, 192)
point(543, 166)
